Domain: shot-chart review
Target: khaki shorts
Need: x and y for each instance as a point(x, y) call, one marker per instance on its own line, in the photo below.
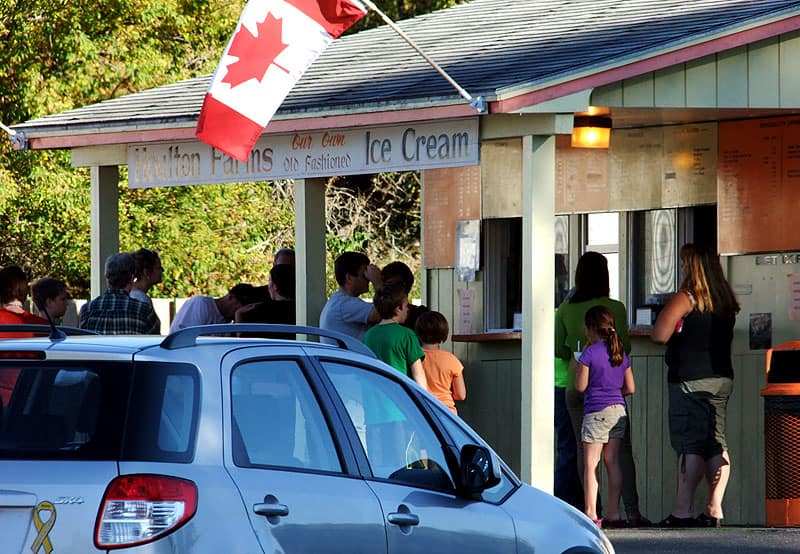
point(608, 423)
point(698, 414)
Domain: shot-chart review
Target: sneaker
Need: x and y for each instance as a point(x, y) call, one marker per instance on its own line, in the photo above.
point(678, 522)
point(707, 521)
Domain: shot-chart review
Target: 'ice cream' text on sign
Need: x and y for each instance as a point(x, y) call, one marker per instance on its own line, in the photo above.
point(305, 155)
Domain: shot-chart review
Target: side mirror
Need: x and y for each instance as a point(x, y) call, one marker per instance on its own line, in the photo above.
point(479, 470)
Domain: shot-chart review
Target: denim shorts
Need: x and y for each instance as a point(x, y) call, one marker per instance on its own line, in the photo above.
point(608, 423)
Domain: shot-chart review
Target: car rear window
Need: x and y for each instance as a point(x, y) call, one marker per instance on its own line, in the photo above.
point(98, 411)
point(62, 410)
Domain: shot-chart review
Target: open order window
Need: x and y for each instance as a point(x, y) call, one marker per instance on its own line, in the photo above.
point(656, 238)
point(503, 269)
point(602, 235)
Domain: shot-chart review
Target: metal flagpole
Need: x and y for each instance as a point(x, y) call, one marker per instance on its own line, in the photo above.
point(476, 102)
point(17, 139)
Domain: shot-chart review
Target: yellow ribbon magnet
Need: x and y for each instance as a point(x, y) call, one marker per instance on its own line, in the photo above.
point(43, 528)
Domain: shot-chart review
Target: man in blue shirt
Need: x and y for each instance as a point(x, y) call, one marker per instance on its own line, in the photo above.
point(345, 311)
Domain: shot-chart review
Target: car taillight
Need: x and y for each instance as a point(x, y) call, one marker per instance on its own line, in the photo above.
point(137, 509)
point(22, 354)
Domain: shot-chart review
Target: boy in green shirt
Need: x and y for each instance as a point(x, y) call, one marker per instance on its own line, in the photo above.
point(392, 343)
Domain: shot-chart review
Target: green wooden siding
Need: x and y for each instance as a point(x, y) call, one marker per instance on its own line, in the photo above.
point(492, 408)
point(752, 76)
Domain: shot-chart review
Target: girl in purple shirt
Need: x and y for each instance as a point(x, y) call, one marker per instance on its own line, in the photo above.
point(604, 375)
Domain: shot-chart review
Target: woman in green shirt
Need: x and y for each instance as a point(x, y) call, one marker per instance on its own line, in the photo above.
point(592, 289)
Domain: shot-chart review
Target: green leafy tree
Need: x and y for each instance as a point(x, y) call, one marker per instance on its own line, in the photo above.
point(397, 10)
point(60, 55)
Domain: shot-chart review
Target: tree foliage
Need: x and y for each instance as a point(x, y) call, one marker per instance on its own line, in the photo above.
point(61, 54)
point(397, 10)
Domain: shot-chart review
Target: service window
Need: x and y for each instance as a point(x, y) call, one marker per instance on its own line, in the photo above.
point(656, 238)
point(503, 269)
point(602, 235)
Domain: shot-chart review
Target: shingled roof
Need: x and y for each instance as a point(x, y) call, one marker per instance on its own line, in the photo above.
point(498, 49)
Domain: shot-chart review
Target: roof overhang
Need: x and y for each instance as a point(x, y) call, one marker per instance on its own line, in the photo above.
point(66, 136)
point(564, 93)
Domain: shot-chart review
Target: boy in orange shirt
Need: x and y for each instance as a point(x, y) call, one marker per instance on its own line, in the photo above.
point(443, 371)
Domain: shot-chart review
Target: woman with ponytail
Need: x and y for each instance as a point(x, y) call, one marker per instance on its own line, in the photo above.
point(697, 327)
point(604, 376)
point(592, 289)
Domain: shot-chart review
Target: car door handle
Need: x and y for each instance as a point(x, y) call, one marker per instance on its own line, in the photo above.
point(271, 510)
point(403, 518)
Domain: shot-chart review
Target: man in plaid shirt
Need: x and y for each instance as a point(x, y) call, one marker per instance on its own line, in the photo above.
point(114, 312)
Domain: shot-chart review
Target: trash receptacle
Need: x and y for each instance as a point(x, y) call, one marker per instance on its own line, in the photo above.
point(782, 435)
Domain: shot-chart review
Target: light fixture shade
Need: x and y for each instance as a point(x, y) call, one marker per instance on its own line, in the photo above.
point(591, 132)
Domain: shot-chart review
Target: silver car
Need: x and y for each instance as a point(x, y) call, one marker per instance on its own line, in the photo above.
point(216, 439)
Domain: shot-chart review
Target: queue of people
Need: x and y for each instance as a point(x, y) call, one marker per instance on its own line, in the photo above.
point(125, 307)
point(403, 335)
point(592, 289)
point(592, 347)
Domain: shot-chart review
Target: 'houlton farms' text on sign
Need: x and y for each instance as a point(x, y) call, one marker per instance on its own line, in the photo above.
point(303, 155)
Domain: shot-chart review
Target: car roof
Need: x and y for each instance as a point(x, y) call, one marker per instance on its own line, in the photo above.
point(125, 346)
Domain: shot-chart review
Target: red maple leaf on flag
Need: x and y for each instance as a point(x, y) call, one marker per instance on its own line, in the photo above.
point(255, 53)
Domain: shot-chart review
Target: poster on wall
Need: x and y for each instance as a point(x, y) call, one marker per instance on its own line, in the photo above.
point(644, 168)
point(761, 331)
point(466, 311)
point(758, 185)
point(501, 178)
point(793, 282)
point(468, 238)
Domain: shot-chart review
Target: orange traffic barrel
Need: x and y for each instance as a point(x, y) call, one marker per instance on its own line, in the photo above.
point(782, 435)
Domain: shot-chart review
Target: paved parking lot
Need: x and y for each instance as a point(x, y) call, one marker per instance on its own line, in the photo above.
point(751, 540)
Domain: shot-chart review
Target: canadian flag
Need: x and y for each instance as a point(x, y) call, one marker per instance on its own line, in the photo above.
point(274, 43)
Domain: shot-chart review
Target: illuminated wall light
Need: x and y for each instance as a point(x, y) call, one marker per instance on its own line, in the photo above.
point(591, 132)
point(683, 160)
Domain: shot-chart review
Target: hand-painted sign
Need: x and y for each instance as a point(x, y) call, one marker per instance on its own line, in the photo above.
point(304, 155)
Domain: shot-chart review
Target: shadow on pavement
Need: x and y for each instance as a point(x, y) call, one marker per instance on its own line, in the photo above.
point(749, 540)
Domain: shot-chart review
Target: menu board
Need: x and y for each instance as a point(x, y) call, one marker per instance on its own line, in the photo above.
point(690, 165)
point(758, 185)
point(501, 178)
point(581, 178)
point(635, 169)
point(449, 195)
point(660, 167)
